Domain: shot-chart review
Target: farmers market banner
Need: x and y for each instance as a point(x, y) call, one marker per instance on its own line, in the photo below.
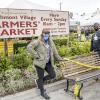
point(27, 23)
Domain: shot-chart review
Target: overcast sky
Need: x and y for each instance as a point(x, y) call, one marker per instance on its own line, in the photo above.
point(77, 6)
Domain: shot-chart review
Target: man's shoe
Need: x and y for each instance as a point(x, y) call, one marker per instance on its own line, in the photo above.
point(45, 95)
point(36, 83)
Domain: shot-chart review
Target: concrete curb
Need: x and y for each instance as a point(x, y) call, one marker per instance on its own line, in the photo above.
point(33, 93)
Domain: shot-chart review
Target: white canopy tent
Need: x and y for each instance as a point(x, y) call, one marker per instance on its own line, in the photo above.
point(87, 18)
point(95, 19)
point(25, 4)
point(91, 21)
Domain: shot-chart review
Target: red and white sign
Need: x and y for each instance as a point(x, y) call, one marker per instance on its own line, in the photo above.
point(27, 23)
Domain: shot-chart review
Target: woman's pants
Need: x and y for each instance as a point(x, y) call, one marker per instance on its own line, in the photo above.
point(51, 74)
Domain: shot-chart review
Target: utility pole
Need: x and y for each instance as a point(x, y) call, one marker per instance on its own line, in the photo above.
point(60, 6)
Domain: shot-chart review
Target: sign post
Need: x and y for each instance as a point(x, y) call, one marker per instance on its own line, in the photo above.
point(2, 48)
point(5, 47)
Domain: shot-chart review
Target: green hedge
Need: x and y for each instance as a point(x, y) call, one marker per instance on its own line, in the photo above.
point(71, 48)
point(60, 42)
point(76, 48)
point(19, 45)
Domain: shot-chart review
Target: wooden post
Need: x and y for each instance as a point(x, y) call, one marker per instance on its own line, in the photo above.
point(5, 47)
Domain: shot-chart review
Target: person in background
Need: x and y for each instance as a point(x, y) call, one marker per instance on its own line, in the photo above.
point(44, 52)
point(86, 34)
point(95, 41)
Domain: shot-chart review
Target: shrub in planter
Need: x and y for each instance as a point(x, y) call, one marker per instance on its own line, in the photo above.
point(62, 50)
point(19, 45)
point(5, 64)
point(13, 74)
point(60, 42)
point(21, 60)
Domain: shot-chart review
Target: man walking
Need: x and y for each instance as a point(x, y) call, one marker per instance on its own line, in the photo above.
point(95, 41)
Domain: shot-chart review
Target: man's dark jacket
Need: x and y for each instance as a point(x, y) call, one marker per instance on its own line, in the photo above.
point(95, 41)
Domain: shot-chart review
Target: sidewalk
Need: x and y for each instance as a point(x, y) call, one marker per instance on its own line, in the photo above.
point(56, 92)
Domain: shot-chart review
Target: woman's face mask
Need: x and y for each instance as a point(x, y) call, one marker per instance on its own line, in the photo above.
point(46, 37)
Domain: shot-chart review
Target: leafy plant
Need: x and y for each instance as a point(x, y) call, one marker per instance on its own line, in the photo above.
point(22, 60)
point(4, 66)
